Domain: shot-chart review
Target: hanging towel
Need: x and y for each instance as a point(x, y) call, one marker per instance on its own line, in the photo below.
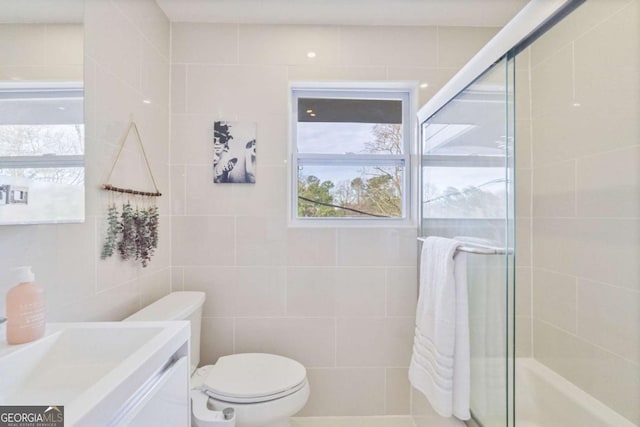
point(440, 363)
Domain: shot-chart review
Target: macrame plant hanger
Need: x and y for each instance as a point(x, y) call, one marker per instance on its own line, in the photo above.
point(133, 233)
point(109, 187)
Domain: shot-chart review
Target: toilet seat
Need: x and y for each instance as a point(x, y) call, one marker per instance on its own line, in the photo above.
point(253, 378)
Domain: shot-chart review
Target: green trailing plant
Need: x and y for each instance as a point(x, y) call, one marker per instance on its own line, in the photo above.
point(141, 222)
point(111, 237)
point(134, 233)
point(127, 243)
point(154, 220)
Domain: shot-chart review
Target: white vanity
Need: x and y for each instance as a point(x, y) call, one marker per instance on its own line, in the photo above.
point(104, 374)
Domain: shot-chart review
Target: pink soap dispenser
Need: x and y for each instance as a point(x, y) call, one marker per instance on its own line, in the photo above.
point(26, 310)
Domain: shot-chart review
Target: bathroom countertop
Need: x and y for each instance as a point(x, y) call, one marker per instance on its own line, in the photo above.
point(91, 368)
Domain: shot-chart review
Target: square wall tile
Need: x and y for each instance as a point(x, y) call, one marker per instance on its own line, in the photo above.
point(203, 196)
point(434, 77)
point(260, 291)
point(155, 85)
point(178, 189)
point(569, 246)
point(63, 44)
point(225, 91)
point(22, 45)
point(524, 347)
point(154, 286)
point(311, 341)
point(178, 89)
point(113, 41)
point(375, 341)
point(457, 45)
point(267, 197)
point(216, 339)
point(378, 46)
point(391, 247)
point(398, 391)
point(261, 240)
point(298, 73)
point(216, 237)
point(609, 317)
point(289, 44)
point(311, 246)
point(192, 139)
point(602, 193)
point(192, 42)
point(150, 20)
point(177, 279)
point(523, 192)
point(360, 292)
point(552, 83)
point(554, 299)
point(609, 378)
point(218, 283)
point(402, 291)
point(345, 391)
point(311, 291)
point(554, 190)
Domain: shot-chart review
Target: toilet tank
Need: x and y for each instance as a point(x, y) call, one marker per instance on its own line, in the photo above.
point(177, 306)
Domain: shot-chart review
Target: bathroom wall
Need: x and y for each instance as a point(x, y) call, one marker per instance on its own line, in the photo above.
point(34, 52)
point(586, 201)
point(341, 301)
point(523, 173)
point(126, 60)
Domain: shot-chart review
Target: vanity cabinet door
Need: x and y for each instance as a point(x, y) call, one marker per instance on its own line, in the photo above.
point(165, 402)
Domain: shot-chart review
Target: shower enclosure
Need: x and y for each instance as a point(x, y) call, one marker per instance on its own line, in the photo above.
point(536, 162)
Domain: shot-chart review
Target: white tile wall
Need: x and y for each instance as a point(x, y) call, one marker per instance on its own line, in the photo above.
point(585, 201)
point(341, 301)
point(126, 60)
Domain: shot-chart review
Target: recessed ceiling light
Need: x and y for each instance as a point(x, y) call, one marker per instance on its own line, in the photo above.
point(311, 54)
point(309, 111)
point(424, 85)
point(576, 104)
point(146, 101)
point(312, 114)
point(61, 108)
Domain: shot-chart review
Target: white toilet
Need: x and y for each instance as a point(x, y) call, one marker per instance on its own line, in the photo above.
point(263, 390)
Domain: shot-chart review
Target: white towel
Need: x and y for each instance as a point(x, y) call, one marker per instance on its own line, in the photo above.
point(440, 364)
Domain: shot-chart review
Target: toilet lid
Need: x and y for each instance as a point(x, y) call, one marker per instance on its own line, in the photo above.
point(254, 377)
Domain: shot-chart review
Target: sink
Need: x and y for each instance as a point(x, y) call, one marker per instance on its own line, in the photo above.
point(86, 366)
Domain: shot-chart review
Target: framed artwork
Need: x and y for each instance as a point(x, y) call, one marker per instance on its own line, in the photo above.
point(234, 152)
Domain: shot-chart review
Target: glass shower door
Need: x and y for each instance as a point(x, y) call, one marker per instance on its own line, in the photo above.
point(467, 193)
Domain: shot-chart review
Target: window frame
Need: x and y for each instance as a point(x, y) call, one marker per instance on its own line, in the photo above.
point(43, 91)
point(396, 91)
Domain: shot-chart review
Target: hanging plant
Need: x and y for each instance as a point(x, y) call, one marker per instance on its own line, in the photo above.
point(141, 221)
point(154, 218)
point(127, 243)
point(110, 239)
point(134, 233)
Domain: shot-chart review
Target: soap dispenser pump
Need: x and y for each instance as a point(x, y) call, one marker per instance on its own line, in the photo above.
point(26, 310)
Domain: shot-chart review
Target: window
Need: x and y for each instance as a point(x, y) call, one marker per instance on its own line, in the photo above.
point(350, 155)
point(41, 152)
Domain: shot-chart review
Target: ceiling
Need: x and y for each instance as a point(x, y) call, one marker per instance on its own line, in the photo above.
point(345, 12)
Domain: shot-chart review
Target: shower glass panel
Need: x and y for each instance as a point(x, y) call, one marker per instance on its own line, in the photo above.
point(467, 190)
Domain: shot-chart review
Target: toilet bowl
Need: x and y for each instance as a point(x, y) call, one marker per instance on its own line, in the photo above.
point(263, 389)
point(245, 390)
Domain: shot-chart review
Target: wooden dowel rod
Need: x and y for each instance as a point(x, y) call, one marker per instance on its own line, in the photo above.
point(109, 187)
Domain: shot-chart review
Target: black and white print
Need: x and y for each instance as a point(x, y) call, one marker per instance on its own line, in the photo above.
point(234, 152)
